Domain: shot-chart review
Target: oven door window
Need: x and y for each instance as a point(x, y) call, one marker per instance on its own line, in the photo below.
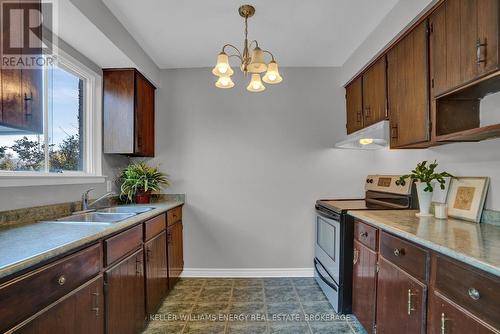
point(326, 237)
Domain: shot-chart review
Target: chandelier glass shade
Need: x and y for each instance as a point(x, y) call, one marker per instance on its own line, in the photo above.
point(252, 61)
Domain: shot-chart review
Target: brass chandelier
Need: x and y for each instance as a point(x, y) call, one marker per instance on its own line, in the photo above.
point(251, 62)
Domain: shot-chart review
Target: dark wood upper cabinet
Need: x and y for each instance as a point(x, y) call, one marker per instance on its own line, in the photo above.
point(156, 271)
point(129, 113)
point(408, 89)
point(80, 312)
point(175, 252)
point(375, 93)
point(21, 90)
point(401, 301)
point(464, 42)
point(354, 105)
point(125, 311)
point(364, 284)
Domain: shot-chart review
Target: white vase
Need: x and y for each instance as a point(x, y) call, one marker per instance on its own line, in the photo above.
point(424, 200)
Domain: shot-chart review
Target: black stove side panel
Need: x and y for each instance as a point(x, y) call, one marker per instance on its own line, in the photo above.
point(346, 265)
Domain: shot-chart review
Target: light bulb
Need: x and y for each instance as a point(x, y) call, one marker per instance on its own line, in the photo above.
point(366, 141)
point(222, 69)
point(224, 82)
point(255, 84)
point(272, 75)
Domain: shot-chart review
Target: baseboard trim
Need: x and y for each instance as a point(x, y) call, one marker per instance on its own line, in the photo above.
point(250, 272)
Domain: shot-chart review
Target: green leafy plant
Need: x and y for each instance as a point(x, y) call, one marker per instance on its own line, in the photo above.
point(139, 177)
point(426, 174)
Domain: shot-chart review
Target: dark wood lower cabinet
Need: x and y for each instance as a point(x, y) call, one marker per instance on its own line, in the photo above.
point(446, 317)
point(175, 253)
point(124, 289)
point(401, 301)
point(80, 312)
point(364, 281)
point(156, 271)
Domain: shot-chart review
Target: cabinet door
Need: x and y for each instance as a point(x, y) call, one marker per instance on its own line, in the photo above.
point(354, 106)
point(22, 88)
point(12, 106)
point(447, 317)
point(144, 117)
point(408, 86)
point(401, 301)
point(375, 93)
point(364, 283)
point(488, 16)
point(175, 253)
point(125, 311)
point(81, 312)
point(156, 271)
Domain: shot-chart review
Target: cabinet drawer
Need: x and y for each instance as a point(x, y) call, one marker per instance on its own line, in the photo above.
point(174, 215)
point(475, 291)
point(122, 244)
point(28, 294)
point(406, 255)
point(154, 226)
point(366, 234)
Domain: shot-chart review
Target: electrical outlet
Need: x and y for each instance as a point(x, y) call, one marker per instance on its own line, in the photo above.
point(109, 186)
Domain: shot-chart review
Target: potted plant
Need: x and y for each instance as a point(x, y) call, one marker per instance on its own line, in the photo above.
point(424, 176)
point(139, 180)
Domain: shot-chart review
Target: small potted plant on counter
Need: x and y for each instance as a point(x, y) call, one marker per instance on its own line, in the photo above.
point(139, 180)
point(424, 176)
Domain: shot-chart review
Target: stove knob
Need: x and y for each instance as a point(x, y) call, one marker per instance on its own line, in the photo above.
point(398, 183)
point(367, 180)
point(371, 180)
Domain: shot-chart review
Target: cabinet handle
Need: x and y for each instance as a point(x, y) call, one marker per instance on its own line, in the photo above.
point(443, 324)
point(148, 254)
point(410, 307)
point(367, 112)
point(395, 131)
point(96, 303)
point(61, 280)
point(27, 110)
point(474, 294)
point(358, 116)
point(363, 234)
point(356, 256)
point(399, 252)
point(169, 237)
point(138, 270)
point(479, 53)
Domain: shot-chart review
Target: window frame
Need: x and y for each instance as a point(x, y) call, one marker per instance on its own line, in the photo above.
point(92, 142)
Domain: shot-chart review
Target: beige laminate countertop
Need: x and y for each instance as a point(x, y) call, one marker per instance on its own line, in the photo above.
point(28, 245)
point(475, 244)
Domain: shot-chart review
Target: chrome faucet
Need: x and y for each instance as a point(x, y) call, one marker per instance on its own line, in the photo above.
point(85, 199)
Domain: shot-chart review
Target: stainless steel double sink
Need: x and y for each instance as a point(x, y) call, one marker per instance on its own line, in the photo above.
point(109, 215)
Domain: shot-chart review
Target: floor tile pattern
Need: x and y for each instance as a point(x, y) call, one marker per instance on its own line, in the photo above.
point(249, 305)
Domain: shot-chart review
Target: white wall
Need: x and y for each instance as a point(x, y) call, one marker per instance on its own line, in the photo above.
point(253, 165)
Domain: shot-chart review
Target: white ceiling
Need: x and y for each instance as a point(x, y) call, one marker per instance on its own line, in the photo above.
point(190, 33)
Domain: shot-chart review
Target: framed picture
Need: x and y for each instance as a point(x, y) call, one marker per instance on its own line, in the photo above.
point(466, 197)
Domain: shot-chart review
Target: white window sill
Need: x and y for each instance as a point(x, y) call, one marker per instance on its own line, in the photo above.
point(29, 180)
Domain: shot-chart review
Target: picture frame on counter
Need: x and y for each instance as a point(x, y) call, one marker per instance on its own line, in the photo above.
point(466, 197)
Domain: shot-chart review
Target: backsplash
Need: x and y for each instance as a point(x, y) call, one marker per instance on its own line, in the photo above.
point(53, 211)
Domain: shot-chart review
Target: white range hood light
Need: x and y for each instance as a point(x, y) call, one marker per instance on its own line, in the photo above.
point(374, 137)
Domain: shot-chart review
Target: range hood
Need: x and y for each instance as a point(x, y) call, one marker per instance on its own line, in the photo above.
point(374, 137)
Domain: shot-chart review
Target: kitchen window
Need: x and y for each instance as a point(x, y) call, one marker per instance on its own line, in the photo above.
point(57, 141)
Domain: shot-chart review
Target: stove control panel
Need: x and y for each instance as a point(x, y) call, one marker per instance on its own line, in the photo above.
point(388, 184)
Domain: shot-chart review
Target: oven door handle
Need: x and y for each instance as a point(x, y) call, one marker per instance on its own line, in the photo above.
point(330, 215)
point(316, 263)
point(387, 204)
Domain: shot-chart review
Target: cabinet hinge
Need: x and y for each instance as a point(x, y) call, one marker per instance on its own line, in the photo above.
point(432, 83)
